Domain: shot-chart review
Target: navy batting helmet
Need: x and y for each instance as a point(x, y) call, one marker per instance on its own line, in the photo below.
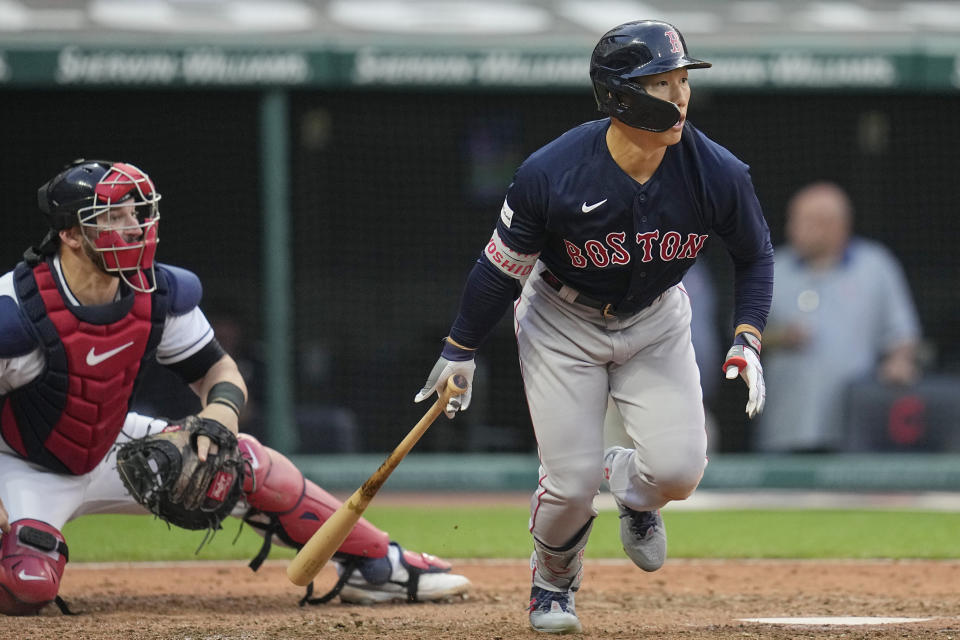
point(633, 50)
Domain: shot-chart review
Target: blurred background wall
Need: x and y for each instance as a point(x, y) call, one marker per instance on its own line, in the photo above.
point(402, 123)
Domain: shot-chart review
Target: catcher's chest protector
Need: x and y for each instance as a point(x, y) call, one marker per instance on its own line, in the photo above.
point(68, 418)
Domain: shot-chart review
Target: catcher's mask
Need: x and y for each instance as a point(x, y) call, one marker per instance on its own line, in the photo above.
point(630, 51)
point(116, 206)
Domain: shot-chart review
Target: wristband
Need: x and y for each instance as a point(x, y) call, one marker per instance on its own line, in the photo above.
point(455, 352)
point(228, 394)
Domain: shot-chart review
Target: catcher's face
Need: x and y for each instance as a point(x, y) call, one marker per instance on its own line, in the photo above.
point(120, 228)
point(124, 219)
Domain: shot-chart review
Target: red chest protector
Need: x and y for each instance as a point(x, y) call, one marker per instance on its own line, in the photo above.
point(68, 418)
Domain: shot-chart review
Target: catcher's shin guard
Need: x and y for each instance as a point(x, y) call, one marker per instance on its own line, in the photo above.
point(32, 558)
point(283, 503)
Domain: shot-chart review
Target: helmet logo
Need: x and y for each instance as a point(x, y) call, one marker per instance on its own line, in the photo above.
point(675, 44)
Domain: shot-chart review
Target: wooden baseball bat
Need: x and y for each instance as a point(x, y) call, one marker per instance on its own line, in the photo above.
point(327, 539)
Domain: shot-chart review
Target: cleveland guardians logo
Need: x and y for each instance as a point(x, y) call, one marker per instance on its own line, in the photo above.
point(675, 44)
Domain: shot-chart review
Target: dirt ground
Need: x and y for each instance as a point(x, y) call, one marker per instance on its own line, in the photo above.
point(685, 599)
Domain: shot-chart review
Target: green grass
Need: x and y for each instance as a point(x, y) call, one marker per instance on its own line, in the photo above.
point(501, 532)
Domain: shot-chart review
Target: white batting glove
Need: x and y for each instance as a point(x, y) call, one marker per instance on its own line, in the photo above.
point(743, 359)
point(437, 381)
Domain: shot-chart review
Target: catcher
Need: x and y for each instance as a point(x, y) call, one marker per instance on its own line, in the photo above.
point(79, 318)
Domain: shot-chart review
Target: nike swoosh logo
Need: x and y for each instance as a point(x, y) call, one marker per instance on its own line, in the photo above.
point(93, 359)
point(587, 209)
point(23, 575)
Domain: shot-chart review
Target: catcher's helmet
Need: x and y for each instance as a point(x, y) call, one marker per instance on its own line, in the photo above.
point(116, 205)
point(633, 50)
point(61, 196)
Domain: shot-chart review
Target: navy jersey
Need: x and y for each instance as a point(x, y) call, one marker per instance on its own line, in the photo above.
point(616, 240)
point(619, 241)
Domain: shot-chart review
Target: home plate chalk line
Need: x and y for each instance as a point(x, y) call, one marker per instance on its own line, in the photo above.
point(835, 620)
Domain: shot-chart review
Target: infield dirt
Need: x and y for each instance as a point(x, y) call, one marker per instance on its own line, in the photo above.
point(685, 599)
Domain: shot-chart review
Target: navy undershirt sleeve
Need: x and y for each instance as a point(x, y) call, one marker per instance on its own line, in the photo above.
point(486, 297)
point(744, 230)
point(753, 291)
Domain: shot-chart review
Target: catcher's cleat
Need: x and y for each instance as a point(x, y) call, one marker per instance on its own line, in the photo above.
point(553, 611)
point(401, 576)
point(643, 536)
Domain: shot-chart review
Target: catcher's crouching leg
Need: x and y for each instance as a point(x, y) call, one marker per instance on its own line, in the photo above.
point(32, 558)
point(283, 503)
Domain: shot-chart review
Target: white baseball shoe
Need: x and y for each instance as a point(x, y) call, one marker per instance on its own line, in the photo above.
point(553, 611)
point(643, 536)
point(402, 576)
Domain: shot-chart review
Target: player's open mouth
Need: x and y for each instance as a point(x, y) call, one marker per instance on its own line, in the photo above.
point(679, 124)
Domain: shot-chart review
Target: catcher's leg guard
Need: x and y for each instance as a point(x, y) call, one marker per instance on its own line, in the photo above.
point(286, 504)
point(32, 558)
point(372, 569)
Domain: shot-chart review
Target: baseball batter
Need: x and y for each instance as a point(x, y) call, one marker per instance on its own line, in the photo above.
point(80, 316)
point(595, 234)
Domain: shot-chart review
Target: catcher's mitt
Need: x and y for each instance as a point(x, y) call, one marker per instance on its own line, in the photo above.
point(164, 474)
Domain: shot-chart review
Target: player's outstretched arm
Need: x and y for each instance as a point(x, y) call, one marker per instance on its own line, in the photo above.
point(486, 296)
point(743, 359)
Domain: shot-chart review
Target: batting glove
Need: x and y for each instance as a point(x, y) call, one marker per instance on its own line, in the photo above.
point(454, 360)
point(743, 359)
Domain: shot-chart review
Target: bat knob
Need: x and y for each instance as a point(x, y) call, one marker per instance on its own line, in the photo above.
point(461, 382)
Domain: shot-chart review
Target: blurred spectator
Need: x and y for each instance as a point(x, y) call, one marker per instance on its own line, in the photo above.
point(841, 311)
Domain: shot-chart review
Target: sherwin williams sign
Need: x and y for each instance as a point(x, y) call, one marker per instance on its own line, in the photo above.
point(211, 66)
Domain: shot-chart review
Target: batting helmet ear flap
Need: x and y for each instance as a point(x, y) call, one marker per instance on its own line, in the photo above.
point(629, 102)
